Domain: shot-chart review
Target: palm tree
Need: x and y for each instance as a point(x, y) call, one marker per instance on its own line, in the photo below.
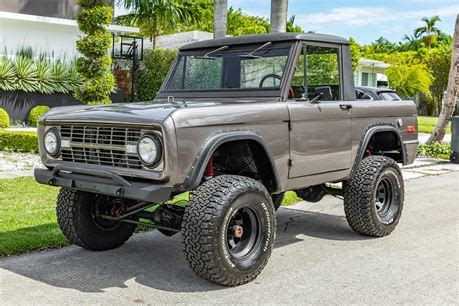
point(428, 32)
point(278, 18)
point(220, 18)
point(452, 91)
point(156, 17)
point(291, 26)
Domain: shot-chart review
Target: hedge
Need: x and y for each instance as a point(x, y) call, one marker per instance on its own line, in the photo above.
point(4, 118)
point(156, 64)
point(36, 113)
point(19, 141)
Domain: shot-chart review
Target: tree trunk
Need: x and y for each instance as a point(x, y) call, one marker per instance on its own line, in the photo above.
point(220, 18)
point(450, 96)
point(278, 18)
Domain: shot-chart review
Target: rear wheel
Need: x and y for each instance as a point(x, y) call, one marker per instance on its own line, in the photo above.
point(373, 197)
point(78, 216)
point(228, 230)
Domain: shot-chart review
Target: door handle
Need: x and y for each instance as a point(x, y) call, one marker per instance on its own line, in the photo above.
point(345, 106)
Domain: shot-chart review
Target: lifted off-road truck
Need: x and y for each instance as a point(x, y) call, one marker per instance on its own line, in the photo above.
point(237, 122)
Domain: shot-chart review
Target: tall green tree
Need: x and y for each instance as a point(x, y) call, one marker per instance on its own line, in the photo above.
point(452, 90)
point(156, 17)
point(428, 32)
point(291, 26)
point(355, 53)
point(94, 65)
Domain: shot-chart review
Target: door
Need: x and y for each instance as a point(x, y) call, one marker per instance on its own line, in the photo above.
point(320, 136)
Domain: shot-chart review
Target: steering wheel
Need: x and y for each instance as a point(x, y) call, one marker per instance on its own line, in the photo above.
point(271, 75)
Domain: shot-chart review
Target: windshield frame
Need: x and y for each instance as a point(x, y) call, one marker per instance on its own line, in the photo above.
point(164, 92)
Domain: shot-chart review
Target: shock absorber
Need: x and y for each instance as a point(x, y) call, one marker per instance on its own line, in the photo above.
point(209, 173)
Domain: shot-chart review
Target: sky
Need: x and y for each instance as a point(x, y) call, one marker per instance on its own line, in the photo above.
point(365, 21)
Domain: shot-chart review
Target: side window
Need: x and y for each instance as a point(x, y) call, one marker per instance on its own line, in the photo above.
point(322, 72)
point(297, 88)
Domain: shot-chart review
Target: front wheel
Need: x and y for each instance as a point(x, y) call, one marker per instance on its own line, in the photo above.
point(78, 216)
point(373, 197)
point(228, 229)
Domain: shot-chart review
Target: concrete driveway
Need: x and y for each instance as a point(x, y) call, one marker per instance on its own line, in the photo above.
point(317, 259)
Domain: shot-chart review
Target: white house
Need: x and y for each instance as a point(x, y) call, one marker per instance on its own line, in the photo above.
point(45, 34)
point(371, 73)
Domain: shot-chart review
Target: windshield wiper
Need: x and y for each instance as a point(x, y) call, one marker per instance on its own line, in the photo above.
point(250, 54)
point(207, 55)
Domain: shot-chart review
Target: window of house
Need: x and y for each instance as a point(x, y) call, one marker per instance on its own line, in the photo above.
point(364, 79)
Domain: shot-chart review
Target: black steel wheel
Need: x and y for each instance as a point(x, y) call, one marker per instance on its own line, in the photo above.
point(228, 229)
point(373, 196)
point(79, 217)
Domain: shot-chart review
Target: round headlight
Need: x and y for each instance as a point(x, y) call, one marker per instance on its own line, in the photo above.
point(149, 149)
point(52, 142)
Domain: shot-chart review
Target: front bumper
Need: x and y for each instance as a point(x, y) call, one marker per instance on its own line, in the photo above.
point(103, 182)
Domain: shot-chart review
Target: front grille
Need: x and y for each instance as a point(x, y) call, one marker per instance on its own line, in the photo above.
point(100, 145)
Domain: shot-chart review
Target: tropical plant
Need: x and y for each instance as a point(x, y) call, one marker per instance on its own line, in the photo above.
point(452, 90)
point(26, 74)
point(7, 74)
point(94, 65)
point(291, 26)
point(45, 82)
point(355, 53)
point(428, 32)
point(408, 80)
point(156, 17)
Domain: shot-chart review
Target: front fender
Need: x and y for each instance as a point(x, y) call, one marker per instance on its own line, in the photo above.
point(212, 143)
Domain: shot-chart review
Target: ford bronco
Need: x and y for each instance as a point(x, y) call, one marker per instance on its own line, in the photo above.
point(237, 122)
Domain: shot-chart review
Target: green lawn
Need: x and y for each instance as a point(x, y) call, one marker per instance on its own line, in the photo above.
point(427, 124)
point(28, 218)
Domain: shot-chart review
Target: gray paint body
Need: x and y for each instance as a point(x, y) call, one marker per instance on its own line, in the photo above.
point(322, 140)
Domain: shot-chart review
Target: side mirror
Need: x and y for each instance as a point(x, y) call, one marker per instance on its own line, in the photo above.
point(325, 93)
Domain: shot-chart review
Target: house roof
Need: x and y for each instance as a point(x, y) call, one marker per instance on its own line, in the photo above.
point(366, 62)
point(260, 38)
point(61, 21)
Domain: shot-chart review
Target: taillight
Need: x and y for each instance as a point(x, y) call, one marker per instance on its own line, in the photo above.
point(411, 128)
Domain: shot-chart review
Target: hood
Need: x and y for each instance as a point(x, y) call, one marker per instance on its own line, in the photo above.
point(138, 113)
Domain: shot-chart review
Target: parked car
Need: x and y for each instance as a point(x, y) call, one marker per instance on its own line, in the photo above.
point(238, 121)
point(376, 93)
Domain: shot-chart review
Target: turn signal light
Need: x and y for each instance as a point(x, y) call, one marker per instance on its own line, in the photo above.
point(410, 128)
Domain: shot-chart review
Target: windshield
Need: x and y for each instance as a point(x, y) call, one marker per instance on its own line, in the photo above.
point(229, 69)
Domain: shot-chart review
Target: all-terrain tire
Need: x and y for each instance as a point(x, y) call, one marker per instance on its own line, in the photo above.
point(76, 221)
point(376, 180)
point(206, 228)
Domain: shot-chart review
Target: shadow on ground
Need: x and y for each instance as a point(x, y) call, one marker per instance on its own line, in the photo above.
point(156, 261)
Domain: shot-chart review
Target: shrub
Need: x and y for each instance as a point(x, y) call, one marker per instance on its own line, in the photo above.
point(38, 75)
point(440, 150)
point(94, 66)
point(151, 76)
point(4, 119)
point(19, 141)
point(36, 113)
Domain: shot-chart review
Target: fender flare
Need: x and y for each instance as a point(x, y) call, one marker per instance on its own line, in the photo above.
point(371, 130)
point(211, 144)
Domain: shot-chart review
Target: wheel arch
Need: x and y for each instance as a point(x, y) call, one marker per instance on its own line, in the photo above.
point(216, 141)
point(370, 134)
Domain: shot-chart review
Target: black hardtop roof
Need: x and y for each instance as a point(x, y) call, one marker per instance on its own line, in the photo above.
point(261, 38)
